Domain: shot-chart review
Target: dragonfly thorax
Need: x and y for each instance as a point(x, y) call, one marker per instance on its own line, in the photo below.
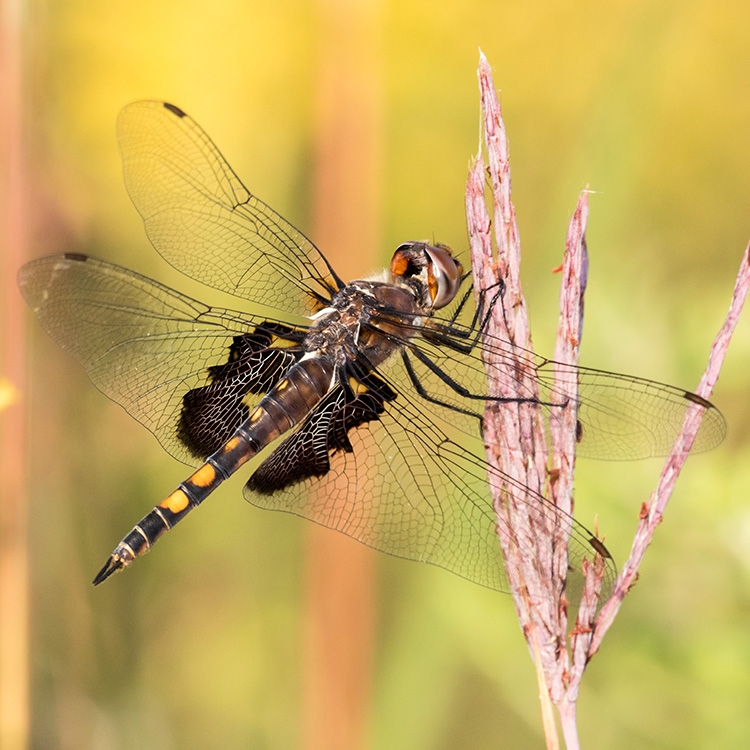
point(367, 317)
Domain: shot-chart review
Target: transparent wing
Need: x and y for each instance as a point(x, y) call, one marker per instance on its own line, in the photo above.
point(204, 221)
point(410, 484)
point(621, 417)
point(142, 344)
point(414, 482)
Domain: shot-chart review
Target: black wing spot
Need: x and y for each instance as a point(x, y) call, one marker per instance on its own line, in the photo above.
point(211, 414)
point(307, 452)
point(599, 548)
point(80, 257)
point(175, 110)
point(696, 399)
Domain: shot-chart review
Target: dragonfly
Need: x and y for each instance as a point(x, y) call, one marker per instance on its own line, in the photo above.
point(357, 405)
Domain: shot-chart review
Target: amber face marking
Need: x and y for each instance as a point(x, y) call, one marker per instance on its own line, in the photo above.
point(432, 286)
point(176, 502)
point(204, 476)
point(399, 264)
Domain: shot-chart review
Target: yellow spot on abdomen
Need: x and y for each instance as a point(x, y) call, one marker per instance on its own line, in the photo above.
point(176, 502)
point(231, 445)
point(204, 476)
point(256, 415)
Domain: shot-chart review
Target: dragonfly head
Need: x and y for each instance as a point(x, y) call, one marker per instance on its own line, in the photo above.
point(429, 270)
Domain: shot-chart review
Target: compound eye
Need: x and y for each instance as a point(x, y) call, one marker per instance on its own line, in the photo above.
point(444, 274)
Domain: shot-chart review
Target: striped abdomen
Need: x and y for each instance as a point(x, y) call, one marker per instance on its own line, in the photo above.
point(285, 405)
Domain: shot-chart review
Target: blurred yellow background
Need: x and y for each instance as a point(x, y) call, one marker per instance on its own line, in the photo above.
point(201, 644)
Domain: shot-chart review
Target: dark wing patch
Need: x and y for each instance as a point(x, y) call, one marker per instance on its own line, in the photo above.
point(211, 414)
point(142, 344)
point(413, 482)
point(306, 453)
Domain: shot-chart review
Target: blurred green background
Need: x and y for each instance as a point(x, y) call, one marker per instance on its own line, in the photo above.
point(200, 645)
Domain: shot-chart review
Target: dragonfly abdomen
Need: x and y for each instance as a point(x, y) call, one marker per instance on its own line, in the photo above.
point(288, 402)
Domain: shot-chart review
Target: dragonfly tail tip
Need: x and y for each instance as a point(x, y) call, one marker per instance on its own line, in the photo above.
point(113, 564)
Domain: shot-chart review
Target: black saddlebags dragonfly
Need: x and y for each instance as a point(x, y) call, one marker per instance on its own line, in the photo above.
point(361, 406)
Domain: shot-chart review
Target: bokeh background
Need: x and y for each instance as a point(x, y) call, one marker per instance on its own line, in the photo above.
point(204, 643)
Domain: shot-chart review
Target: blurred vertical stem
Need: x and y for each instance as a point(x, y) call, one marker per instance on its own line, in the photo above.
point(340, 575)
point(14, 597)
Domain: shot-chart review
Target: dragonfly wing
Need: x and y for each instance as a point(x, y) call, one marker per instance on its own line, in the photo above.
point(621, 417)
point(204, 221)
point(385, 468)
point(165, 358)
